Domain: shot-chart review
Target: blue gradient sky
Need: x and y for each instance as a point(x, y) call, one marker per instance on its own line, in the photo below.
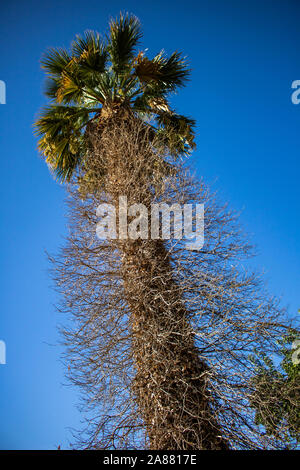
point(244, 55)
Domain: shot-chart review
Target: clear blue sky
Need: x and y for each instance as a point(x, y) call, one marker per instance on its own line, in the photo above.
point(244, 55)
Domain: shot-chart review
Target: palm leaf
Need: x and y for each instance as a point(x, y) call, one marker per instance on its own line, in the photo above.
point(90, 41)
point(61, 142)
point(55, 61)
point(96, 73)
point(90, 52)
point(70, 89)
point(162, 73)
point(176, 132)
point(146, 70)
point(125, 33)
point(51, 87)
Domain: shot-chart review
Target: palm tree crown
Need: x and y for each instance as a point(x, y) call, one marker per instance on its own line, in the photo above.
point(98, 77)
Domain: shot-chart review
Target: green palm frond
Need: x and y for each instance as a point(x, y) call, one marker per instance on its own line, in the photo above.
point(63, 84)
point(90, 41)
point(60, 131)
point(173, 70)
point(176, 132)
point(125, 33)
point(79, 86)
point(146, 70)
point(70, 89)
point(61, 117)
point(90, 52)
point(51, 87)
point(128, 85)
point(62, 155)
point(55, 61)
point(149, 103)
point(105, 87)
point(162, 72)
point(109, 74)
point(72, 77)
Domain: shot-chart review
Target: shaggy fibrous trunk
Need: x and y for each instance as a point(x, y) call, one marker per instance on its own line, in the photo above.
point(162, 337)
point(171, 381)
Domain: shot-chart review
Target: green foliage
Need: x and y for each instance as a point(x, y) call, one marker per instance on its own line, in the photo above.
point(176, 131)
point(162, 73)
point(276, 396)
point(125, 33)
point(61, 140)
point(55, 61)
point(101, 74)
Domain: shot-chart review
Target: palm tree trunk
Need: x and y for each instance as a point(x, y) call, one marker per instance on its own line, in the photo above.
point(170, 384)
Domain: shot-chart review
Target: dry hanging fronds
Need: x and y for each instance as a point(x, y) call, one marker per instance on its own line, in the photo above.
point(160, 336)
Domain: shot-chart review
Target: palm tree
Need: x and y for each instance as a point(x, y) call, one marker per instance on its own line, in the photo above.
point(108, 82)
